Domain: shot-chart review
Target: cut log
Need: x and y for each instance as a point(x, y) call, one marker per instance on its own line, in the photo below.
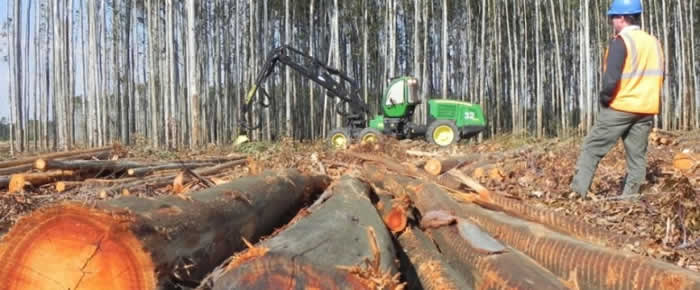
point(393, 212)
point(431, 267)
point(29, 166)
point(481, 266)
point(334, 235)
point(146, 170)
point(578, 263)
point(19, 181)
point(486, 262)
point(115, 167)
point(148, 243)
point(30, 160)
point(15, 169)
point(160, 181)
point(437, 167)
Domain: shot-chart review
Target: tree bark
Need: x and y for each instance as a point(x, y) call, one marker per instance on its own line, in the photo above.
point(445, 37)
point(152, 242)
point(431, 267)
point(192, 78)
point(475, 255)
point(333, 234)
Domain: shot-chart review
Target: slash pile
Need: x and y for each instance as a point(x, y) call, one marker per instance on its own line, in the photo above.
point(394, 215)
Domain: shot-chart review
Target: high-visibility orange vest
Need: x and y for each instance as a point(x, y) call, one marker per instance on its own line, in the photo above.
point(639, 89)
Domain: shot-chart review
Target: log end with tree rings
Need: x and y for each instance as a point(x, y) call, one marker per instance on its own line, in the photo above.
point(17, 182)
point(274, 271)
point(40, 164)
point(433, 166)
point(68, 246)
point(396, 219)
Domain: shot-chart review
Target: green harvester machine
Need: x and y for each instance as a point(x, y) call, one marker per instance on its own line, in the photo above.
point(448, 121)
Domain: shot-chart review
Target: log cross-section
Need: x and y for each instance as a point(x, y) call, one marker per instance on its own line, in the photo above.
point(141, 243)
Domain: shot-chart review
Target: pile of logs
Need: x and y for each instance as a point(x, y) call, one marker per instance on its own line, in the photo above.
point(102, 168)
point(382, 225)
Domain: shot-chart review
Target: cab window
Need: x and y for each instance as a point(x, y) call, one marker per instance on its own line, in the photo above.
point(395, 94)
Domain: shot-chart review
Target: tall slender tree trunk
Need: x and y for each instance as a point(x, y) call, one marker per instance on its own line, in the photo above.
point(538, 77)
point(18, 90)
point(312, 104)
point(482, 69)
point(69, 77)
point(336, 52)
point(445, 38)
point(172, 66)
point(287, 77)
point(417, 52)
point(192, 75)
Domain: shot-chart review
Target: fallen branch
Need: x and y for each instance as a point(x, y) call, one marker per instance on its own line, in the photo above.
point(160, 181)
point(146, 243)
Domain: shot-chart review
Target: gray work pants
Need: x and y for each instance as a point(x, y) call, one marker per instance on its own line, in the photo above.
point(611, 124)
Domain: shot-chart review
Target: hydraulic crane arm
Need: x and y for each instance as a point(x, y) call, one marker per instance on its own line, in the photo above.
point(318, 72)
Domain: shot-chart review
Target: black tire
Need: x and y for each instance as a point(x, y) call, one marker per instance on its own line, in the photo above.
point(370, 135)
point(339, 138)
point(438, 133)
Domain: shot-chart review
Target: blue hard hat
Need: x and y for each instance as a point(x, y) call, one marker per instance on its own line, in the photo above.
point(625, 7)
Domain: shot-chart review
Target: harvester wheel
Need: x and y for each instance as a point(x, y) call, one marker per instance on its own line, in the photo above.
point(442, 133)
point(370, 135)
point(339, 138)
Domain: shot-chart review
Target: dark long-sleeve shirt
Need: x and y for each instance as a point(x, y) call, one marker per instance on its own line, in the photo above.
point(611, 77)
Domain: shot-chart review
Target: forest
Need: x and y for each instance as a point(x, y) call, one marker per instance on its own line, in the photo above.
point(175, 73)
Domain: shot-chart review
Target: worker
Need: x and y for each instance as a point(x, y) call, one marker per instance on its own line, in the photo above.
point(633, 76)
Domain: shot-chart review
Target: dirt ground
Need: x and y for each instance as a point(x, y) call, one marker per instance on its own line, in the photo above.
point(666, 217)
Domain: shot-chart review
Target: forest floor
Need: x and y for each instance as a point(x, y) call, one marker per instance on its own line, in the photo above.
point(666, 217)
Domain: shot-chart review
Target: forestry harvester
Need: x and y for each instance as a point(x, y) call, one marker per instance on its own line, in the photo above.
point(448, 120)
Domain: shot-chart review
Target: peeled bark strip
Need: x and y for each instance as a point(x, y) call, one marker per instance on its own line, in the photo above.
point(335, 234)
point(431, 267)
point(30, 160)
point(146, 243)
point(19, 181)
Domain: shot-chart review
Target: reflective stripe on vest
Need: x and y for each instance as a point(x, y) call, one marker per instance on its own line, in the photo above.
point(639, 90)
